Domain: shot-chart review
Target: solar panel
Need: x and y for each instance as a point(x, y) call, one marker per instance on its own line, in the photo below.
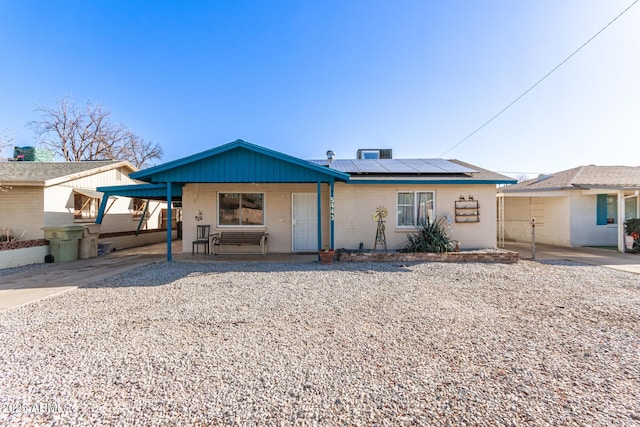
point(403, 166)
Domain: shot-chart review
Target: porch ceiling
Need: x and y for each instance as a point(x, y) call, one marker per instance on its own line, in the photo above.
point(143, 191)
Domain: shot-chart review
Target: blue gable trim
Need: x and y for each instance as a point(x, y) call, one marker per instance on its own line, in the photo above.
point(430, 182)
point(237, 162)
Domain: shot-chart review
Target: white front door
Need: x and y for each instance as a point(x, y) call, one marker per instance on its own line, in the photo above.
point(304, 222)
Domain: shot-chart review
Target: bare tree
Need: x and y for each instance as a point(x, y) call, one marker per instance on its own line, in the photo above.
point(89, 134)
point(5, 142)
point(142, 152)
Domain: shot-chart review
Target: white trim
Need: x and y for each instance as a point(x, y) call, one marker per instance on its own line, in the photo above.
point(415, 207)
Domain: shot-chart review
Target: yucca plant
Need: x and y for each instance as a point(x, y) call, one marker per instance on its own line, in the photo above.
point(430, 237)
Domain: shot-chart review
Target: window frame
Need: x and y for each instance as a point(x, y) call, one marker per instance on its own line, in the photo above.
point(137, 211)
point(633, 201)
point(240, 225)
point(603, 204)
point(92, 203)
point(415, 207)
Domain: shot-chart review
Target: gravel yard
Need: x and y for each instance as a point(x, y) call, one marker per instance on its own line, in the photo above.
point(347, 344)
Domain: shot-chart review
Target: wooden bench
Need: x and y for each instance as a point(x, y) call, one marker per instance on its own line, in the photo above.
point(239, 238)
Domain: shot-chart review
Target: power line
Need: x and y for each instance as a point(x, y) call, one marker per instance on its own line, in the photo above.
point(540, 81)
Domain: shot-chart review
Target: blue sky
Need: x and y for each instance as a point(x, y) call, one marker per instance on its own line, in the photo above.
point(303, 77)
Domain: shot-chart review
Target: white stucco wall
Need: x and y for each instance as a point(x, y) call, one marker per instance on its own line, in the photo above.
point(24, 256)
point(356, 203)
point(354, 207)
point(584, 228)
point(198, 198)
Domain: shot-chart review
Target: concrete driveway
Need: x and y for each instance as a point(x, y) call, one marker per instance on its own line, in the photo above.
point(50, 279)
point(586, 255)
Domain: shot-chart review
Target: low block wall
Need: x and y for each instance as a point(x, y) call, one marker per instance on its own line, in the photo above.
point(496, 255)
point(23, 252)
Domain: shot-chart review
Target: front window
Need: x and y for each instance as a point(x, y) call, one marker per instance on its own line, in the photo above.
point(631, 208)
point(612, 209)
point(85, 207)
point(606, 209)
point(415, 208)
point(240, 209)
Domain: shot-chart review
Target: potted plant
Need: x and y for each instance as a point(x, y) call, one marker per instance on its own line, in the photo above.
point(326, 256)
point(632, 236)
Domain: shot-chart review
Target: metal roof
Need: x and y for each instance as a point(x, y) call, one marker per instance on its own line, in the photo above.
point(242, 162)
point(396, 166)
point(143, 191)
point(239, 161)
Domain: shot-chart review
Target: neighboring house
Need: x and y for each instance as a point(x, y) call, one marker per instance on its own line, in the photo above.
point(584, 206)
point(310, 205)
point(38, 194)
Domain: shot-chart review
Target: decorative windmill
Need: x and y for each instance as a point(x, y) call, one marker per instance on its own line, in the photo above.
point(379, 215)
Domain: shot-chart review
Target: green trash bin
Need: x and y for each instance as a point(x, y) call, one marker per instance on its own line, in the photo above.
point(63, 241)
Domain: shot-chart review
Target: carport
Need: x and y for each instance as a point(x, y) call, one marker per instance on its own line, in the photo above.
point(169, 193)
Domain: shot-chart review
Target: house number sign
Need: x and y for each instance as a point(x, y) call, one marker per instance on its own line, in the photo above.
point(331, 207)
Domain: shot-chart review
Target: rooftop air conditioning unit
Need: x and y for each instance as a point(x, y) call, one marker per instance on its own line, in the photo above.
point(374, 153)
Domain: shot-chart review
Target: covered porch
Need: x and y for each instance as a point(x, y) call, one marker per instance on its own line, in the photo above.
point(272, 192)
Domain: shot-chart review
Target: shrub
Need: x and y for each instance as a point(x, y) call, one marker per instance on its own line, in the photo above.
point(632, 225)
point(430, 237)
point(6, 234)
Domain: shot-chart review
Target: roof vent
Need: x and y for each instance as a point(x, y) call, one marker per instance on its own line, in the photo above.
point(330, 155)
point(542, 177)
point(374, 153)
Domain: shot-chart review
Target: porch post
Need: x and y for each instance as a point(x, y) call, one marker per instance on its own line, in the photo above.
point(331, 210)
point(319, 190)
point(169, 221)
point(620, 221)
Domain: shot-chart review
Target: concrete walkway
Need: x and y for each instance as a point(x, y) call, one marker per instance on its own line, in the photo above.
point(587, 255)
point(31, 285)
point(24, 287)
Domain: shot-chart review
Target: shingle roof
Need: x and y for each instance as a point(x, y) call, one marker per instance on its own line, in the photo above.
point(619, 177)
point(40, 172)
